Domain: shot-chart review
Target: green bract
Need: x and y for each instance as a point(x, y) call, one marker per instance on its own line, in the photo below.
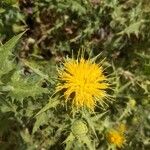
point(79, 128)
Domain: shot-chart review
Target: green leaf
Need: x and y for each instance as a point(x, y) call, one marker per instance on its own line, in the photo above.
point(5, 52)
point(6, 106)
point(35, 68)
point(11, 2)
point(86, 140)
point(40, 120)
point(69, 141)
point(23, 87)
point(90, 122)
point(27, 138)
point(77, 7)
point(2, 10)
point(98, 116)
point(52, 104)
point(134, 28)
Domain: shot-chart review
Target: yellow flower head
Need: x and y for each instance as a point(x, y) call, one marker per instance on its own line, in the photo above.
point(83, 82)
point(115, 137)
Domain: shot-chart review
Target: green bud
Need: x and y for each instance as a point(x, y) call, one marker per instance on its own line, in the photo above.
point(79, 128)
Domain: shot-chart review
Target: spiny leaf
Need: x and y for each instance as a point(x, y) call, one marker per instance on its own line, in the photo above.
point(87, 117)
point(8, 46)
point(34, 67)
point(98, 116)
point(5, 52)
point(133, 28)
point(6, 106)
point(28, 139)
point(21, 88)
point(86, 140)
point(52, 104)
point(69, 141)
point(77, 7)
point(40, 120)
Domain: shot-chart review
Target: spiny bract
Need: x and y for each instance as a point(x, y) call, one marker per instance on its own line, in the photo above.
point(79, 128)
point(83, 82)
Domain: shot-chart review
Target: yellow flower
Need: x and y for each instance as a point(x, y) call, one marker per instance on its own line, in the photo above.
point(115, 137)
point(83, 82)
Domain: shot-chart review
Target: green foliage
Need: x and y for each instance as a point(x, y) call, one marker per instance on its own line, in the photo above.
point(20, 88)
point(32, 114)
point(5, 53)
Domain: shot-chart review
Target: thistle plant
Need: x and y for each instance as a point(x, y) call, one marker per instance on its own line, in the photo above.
point(53, 97)
point(66, 111)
